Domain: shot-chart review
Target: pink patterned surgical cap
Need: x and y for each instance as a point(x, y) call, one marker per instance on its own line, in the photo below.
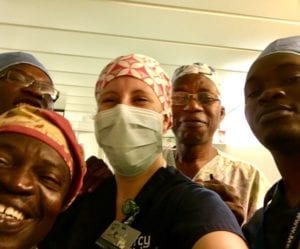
point(143, 68)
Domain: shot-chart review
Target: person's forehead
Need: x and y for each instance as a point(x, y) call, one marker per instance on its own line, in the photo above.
point(14, 143)
point(31, 70)
point(197, 82)
point(17, 140)
point(274, 61)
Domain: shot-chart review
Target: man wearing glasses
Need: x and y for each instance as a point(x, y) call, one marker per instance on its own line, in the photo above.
point(23, 79)
point(197, 113)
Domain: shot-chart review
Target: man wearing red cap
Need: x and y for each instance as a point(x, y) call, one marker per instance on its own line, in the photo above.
point(41, 172)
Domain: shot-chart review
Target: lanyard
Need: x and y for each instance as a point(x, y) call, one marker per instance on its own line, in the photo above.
point(294, 234)
point(131, 210)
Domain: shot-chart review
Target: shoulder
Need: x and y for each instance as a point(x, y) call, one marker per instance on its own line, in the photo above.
point(241, 167)
point(200, 201)
point(234, 162)
point(196, 209)
point(188, 194)
point(82, 220)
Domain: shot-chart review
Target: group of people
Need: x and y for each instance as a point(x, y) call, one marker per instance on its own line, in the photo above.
point(201, 201)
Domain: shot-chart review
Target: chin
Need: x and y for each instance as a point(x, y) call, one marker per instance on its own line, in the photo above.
point(193, 140)
point(287, 143)
point(14, 245)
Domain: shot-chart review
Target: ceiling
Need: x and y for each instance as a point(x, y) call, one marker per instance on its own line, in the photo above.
point(75, 39)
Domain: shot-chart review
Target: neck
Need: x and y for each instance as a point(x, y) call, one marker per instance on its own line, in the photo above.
point(289, 168)
point(128, 187)
point(190, 159)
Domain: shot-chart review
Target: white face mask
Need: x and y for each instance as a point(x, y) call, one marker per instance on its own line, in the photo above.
point(131, 137)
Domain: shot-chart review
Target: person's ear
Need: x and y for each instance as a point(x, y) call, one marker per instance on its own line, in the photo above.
point(222, 113)
point(167, 123)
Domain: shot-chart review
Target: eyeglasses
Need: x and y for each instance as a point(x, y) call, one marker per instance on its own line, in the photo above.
point(43, 87)
point(183, 98)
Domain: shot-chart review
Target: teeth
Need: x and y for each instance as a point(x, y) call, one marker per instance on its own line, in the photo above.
point(10, 212)
point(14, 213)
point(20, 104)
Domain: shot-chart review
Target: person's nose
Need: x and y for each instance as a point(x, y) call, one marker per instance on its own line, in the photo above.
point(271, 94)
point(193, 104)
point(18, 181)
point(126, 99)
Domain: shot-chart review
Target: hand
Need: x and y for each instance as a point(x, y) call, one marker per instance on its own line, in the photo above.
point(97, 172)
point(228, 195)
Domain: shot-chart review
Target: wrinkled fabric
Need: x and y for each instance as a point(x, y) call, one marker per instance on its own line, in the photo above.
point(174, 214)
point(284, 45)
point(198, 68)
point(249, 183)
point(14, 58)
point(287, 45)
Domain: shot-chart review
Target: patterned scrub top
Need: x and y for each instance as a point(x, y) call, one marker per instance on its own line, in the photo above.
point(250, 184)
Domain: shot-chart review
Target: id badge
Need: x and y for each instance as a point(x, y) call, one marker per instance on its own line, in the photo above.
point(118, 236)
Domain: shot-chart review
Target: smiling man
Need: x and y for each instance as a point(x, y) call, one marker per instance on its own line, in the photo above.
point(272, 108)
point(23, 79)
point(41, 173)
point(197, 112)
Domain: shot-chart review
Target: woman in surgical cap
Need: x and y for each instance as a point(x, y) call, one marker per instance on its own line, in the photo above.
point(146, 204)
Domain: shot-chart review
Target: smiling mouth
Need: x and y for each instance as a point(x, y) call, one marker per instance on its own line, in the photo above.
point(8, 213)
point(193, 123)
point(274, 114)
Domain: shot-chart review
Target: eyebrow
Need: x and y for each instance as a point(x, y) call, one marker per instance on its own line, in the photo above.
point(8, 146)
point(279, 67)
point(12, 68)
point(202, 89)
point(12, 150)
point(100, 93)
point(48, 164)
point(29, 74)
point(251, 78)
point(288, 64)
point(142, 91)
